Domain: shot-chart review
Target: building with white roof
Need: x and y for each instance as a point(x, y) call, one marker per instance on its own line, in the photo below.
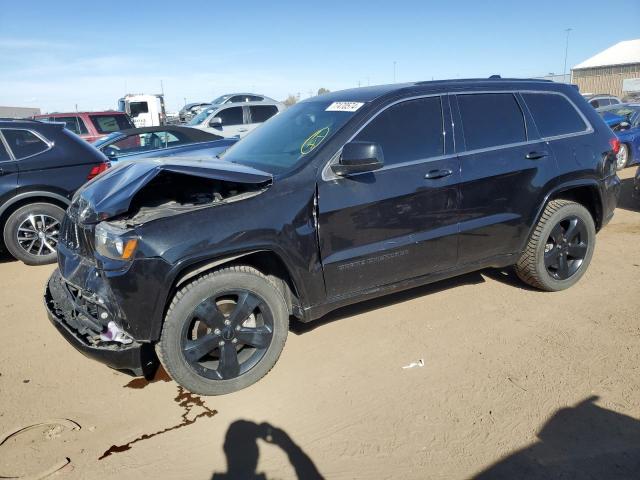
point(615, 71)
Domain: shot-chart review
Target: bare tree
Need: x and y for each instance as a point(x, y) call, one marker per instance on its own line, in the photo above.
point(290, 100)
point(323, 90)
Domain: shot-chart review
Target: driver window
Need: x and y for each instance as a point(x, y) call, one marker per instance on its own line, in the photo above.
point(408, 131)
point(231, 116)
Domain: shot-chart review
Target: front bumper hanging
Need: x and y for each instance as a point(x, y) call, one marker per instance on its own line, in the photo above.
point(77, 318)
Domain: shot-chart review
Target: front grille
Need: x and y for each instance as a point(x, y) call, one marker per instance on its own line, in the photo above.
point(76, 237)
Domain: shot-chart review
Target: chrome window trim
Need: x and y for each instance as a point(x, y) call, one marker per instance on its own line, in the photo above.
point(327, 173)
point(47, 142)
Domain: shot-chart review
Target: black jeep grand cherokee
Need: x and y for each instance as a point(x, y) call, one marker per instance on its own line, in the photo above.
point(340, 198)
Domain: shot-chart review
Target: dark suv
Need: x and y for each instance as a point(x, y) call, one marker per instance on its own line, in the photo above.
point(340, 198)
point(41, 166)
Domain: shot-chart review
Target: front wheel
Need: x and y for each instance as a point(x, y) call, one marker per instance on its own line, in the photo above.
point(224, 331)
point(560, 248)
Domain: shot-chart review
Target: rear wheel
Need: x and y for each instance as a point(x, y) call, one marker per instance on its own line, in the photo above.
point(560, 248)
point(224, 331)
point(31, 233)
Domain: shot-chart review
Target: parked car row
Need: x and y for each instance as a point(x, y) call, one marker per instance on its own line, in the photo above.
point(624, 120)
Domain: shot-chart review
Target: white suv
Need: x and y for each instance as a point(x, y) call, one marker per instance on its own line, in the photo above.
point(235, 119)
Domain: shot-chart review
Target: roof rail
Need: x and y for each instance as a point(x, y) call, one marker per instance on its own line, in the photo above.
point(11, 119)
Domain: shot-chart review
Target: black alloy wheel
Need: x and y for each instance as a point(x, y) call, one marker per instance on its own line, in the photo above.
point(566, 248)
point(228, 334)
point(224, 330)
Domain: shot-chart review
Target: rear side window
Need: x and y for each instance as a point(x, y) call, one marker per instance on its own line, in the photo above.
point(110, 123)
point(231, 116)
point(262, 113)
point(408, 131)
point(554, 114)
point(74, 124)
point(24, 143)
point(491, 120)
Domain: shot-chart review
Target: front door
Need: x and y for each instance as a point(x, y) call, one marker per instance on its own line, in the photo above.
point(398, 222)
point(233, 122)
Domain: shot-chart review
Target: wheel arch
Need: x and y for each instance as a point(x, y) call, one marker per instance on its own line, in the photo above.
point(584, 192)
point(26, 198)
point(267, 261)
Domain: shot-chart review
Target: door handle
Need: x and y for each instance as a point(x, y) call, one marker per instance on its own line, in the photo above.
point(536, 155)
point(433, 174)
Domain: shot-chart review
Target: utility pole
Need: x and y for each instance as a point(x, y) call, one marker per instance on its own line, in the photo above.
point(161, 88)
point(566, 51)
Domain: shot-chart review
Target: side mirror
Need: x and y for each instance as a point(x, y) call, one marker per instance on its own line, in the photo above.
point(215, 122)
point(110, 152)
point(359, 157)
point(624, 126)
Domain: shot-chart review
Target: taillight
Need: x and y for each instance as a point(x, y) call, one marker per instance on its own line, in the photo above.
point(615, 145)
point(97, 170)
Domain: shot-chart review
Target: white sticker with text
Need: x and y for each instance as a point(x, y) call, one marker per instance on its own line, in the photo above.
point(344, 106)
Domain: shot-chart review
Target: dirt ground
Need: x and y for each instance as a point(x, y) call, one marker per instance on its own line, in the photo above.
point(516, 383)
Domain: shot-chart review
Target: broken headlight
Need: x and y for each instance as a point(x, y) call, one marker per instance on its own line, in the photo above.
point(114, 243)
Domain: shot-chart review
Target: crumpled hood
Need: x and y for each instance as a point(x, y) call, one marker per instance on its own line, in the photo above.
point(110, 193)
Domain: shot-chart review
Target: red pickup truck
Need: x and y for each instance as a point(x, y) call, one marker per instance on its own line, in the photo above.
point(90, 125)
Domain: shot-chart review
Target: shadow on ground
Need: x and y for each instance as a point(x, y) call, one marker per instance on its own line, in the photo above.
point(502, 275)
point(626, 199)
point(242, 452)
point(5, 257)
point(584, 441)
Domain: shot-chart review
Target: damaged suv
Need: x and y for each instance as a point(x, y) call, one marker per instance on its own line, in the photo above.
point(340, 198)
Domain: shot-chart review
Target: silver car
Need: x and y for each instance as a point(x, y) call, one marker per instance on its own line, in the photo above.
point(235, 119)
point(241, 98)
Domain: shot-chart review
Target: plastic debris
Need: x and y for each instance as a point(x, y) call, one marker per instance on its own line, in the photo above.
point(115, 334)
point(419, 363)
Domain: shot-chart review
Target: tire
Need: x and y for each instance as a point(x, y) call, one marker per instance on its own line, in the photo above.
point(31, 233)
point(566, 231)
point(204, 316)
point(622, 158)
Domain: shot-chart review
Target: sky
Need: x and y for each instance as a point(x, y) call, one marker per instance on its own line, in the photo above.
point(59, 55)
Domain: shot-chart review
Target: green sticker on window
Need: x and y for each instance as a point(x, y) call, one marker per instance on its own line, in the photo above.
point(314, 140)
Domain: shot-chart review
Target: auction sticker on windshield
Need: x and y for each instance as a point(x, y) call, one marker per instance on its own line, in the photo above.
point(314, 140)
point(344, 106)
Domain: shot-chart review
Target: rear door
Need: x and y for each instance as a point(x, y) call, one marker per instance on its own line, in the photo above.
point(399, 222)
point(259, 114)
point(8, 173)
point(505, 167)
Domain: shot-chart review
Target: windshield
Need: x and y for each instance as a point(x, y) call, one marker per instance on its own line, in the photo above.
point(220, 99)
point(626, 111)
point(100, 142)
point(201, 117)
point(288, 137)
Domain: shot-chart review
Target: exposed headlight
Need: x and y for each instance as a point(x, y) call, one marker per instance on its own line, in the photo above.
point(114, 243)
